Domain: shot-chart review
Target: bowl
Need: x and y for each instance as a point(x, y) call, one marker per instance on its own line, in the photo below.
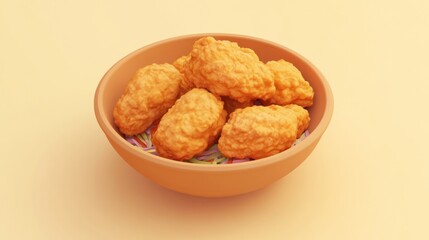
point(200, 179)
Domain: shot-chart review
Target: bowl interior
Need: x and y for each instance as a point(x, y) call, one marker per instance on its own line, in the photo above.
point(167, 51)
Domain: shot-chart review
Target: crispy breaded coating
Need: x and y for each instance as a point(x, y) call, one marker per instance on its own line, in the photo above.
point(226, 69)
point(258, 131)
point(189, 127)
point(230, 105)
point(180, 64)
point(148, 95)
point(290, 85)
point(303, 117)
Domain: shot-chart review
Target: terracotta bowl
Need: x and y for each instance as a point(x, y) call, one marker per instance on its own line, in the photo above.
point(200, 179)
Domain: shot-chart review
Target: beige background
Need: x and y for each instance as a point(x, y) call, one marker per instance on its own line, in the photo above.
point(367, 179)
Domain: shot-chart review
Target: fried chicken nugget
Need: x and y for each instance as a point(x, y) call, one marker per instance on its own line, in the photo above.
point(180, 64)
point(258, 131)
point(290, 85)
point(191, 126)
point(226, 69)
point(148, 95)
point(303, 117)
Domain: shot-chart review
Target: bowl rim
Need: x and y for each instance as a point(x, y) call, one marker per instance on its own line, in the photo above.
point(112, 135)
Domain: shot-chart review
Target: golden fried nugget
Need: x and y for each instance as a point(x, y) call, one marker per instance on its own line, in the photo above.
point(231, 105)
point(303, 117)
point(149, 94)
point(290, 85)
point(226, 69)
point(258, 131)
point(191, 126)
point(180, 64)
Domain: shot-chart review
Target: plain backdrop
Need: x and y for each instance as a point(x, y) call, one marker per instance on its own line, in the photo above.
point(367, 178)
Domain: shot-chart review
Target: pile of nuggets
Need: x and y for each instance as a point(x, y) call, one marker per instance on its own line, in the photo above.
point(218, 93)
